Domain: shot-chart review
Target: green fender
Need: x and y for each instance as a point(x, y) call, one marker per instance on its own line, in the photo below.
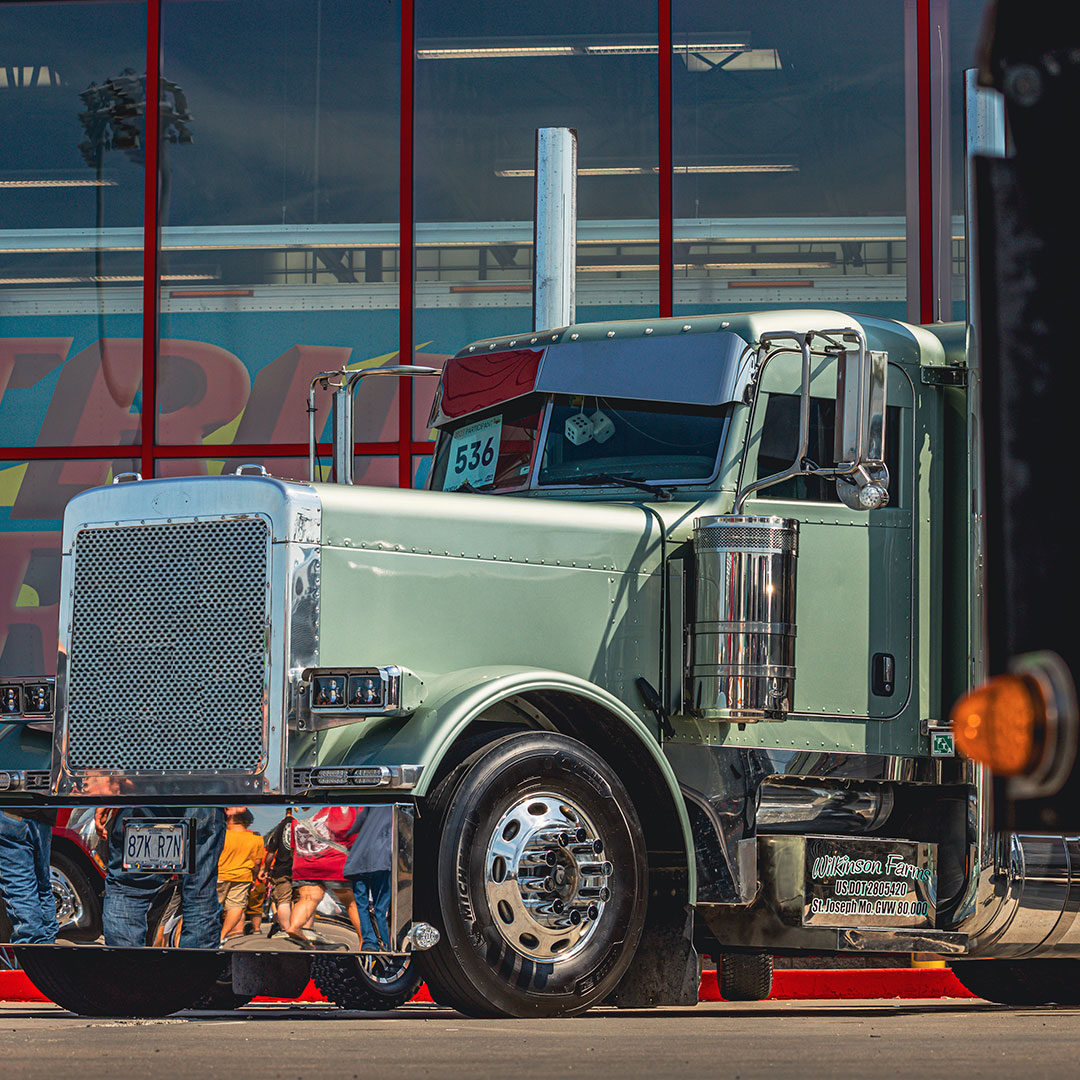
point(452, 702)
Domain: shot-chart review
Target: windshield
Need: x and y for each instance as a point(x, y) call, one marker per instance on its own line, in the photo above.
point(587, 441)
point(493, 453)
point(589, 437)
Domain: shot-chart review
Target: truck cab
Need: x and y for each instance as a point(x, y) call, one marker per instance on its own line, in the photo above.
point(658, 662)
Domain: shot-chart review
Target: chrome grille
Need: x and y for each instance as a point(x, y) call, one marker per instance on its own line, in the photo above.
point(168, 664)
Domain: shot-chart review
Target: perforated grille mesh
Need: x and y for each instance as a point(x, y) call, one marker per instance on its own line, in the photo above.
point(719, 537)
point(169, 636)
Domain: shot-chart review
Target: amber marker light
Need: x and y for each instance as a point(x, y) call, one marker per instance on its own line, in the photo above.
point(1002, 724)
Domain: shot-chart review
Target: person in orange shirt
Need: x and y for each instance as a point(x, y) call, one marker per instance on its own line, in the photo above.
point(241, 859)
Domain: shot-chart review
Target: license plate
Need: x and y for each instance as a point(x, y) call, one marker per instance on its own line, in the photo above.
point(158, 847)
point(863, 882)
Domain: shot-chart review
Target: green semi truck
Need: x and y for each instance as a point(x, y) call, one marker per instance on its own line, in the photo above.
point(658, 665)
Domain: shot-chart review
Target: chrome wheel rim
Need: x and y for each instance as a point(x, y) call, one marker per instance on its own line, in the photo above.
point(69, 909)
point(384, 970)
point(546, 877)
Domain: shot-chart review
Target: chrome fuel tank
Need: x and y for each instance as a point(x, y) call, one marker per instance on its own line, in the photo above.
point(743, 667)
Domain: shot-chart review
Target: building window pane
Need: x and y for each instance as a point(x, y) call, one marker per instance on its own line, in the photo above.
point(71, 216)
point(32, 499)
point(789, 154)
point(488, 74)
point(280, 193)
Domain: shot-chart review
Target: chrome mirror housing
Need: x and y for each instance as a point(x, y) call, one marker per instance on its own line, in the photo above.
point(862, 480)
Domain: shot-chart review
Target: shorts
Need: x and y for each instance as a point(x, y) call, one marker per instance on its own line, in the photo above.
point(233, 894)
point(326, 886)
point(281, 890)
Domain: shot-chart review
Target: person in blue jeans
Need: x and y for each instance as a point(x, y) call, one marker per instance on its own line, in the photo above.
point(25, 848)
point(368, 868)
point(128, 895)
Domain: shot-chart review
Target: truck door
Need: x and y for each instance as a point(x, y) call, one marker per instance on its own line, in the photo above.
point(854, 595)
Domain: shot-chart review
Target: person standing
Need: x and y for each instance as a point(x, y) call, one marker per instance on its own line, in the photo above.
point(129, 893)
point(278, 870)
point(368, 868)
point(241, 859)
point(320, 844)
point(25, 849)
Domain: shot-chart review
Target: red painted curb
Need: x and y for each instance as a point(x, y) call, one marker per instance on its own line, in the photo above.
point(788, 985)
point(794, 984)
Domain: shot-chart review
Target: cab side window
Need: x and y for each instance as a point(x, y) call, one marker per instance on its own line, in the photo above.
point(780, 442)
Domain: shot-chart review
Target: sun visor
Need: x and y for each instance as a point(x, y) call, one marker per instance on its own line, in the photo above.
point(697, 369)
point(682, 369)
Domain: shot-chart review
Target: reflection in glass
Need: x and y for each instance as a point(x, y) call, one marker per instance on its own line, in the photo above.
point(789, 154)
point(282, 209)
point(487, 76)
point(32, 499)
point(71, 210)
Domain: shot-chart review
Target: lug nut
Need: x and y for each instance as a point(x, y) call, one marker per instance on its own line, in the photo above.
point(575, 917)
point(596, 869)
point(558, 907)
point(581, 835)
point(593, 913)
point(550, 857)
point(590, 847)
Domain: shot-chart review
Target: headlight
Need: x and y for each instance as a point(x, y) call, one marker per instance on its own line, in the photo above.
point(327, 698)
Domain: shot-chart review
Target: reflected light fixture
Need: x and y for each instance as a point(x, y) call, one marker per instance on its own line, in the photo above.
point(102, 279)
point(682, 170)
point(467, 51)
point(56, 183)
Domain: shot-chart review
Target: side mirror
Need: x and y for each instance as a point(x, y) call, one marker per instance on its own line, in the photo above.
point(343, 384)
point(862, 480)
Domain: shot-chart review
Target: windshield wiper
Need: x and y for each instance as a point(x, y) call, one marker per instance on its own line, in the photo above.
point(624, 481)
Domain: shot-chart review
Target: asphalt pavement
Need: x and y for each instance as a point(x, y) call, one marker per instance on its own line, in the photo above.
point(863, 1040)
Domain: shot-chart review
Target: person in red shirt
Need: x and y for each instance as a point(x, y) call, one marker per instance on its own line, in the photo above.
point(320, 844)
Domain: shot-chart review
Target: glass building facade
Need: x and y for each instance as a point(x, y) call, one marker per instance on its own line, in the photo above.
point(350, 182)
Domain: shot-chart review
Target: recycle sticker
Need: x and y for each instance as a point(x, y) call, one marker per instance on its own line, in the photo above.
point(942, 744)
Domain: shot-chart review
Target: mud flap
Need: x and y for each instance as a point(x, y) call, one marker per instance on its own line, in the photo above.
point(666, 969)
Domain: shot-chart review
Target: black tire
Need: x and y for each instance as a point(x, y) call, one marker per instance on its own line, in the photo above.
point(120, 982)
point(75, 887)
point(746, 976)
point(476, 968)
point(221, 997)
point(1022, 982)
point(366, 985)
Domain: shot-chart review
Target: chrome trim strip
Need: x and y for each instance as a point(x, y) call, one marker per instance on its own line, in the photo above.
point(304, 780)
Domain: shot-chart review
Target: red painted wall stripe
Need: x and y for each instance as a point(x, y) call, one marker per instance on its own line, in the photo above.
point(926, 174)
point(151, 237)
point(666, 208)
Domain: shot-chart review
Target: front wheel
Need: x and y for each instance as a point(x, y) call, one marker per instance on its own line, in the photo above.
point(120, 982)
point(366, 983)
point(1022, 982)
point(531, 862)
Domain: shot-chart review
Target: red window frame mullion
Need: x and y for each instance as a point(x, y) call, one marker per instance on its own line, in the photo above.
point(151, 329)
point(405, 243)
point(926, 164)
point(665, 164)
